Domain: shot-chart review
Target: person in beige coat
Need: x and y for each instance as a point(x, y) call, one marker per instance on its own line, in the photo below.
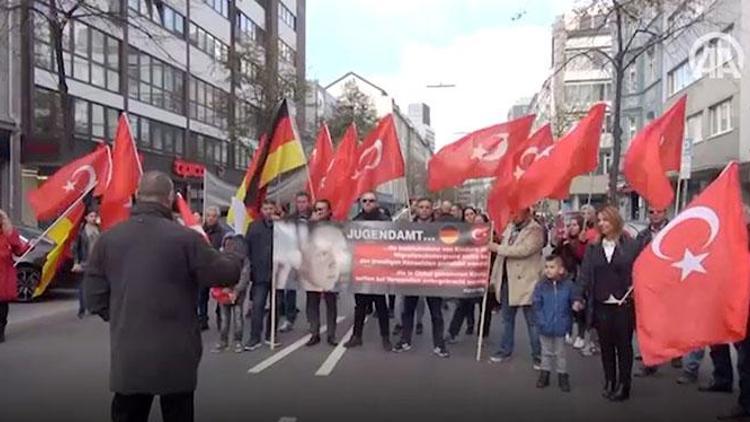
point(517, 269)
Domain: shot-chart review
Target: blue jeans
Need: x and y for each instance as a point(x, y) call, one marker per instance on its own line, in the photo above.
point(508, 320)
point(691, 362)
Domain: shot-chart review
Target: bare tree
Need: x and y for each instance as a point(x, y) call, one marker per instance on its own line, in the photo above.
point(353, 106)
point(636, 26)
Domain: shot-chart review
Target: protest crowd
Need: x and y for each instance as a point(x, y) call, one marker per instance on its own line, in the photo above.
point(579, 281)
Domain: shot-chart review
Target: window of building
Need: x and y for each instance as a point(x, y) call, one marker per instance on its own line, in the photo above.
point(605, 162)
point(47, 113)
point(95, 57)
point(152, 135)
point(249, 70)
point(209, 44)
point(220, 6)
point(720, 118)
point(287, 53)
point(210, 150)
point(585, 94)
point(207, 103)
point(242, 156)
point(651, 65)
point(94, 121)
point(632, 127)
point(694, 127)
point(246, 116)
point(154, 82)
point(679, 78)
point(159, 13)
point(249, 30)
point(632, 79)
point(584, 60)
point(286, 16)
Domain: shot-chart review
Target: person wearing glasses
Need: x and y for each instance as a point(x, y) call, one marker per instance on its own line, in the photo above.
point(424, 215)
point(321, 213)
point(657, 221)
point(370, 212)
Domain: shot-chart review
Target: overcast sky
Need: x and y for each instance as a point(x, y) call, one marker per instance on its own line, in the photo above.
point(495, 52)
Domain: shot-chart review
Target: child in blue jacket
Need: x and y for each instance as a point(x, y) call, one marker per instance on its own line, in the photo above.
point(554, 300)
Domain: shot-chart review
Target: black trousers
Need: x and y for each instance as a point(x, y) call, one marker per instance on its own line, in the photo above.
point(313, 312)
point(289, 305)
point(722, 359)
point(743, 368)
point(3, 316)
point(137, 407)
point(203, 296)
point(362, 301)
point(614, 325)
point(436, 313)
point(391, 303)
point(464, 311)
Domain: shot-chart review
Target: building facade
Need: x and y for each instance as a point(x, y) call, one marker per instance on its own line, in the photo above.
point(419, 114)
point(180, 69)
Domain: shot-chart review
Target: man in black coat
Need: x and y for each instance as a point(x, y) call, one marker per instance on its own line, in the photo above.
point(370, 212)
point(143, 277)
point(215, 234)
point(259, 241)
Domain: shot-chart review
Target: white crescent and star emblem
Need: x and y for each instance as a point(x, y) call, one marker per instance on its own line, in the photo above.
point(70, 184)
point(323, 179)
point(518, 172)
point(690, 262)
point(376, 151)
point(492, 154)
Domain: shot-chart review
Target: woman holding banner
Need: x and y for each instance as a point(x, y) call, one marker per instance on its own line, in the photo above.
point(606, 276)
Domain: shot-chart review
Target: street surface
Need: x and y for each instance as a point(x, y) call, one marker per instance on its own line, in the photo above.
point(54, 367)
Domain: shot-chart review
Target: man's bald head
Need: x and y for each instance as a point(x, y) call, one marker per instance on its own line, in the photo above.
point(156, 186)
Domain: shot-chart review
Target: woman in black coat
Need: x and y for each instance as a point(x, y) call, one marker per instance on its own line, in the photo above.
point(606, 274)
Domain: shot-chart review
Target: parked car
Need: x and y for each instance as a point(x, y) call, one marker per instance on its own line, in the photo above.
point(29, 268)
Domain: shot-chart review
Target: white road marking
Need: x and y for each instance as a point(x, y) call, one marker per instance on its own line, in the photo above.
point(287, 419)
point(285, 352)
point(327, 367)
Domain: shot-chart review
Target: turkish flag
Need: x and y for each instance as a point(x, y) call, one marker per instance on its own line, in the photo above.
point(188, 219)
point(555, 167)
point(692, 283)
point(477, 154)
point(501, 200)
point(379, 160)
point(656, 150)
point(335, 183)
point(69, 183)
point(320, 159)
point(126, 173)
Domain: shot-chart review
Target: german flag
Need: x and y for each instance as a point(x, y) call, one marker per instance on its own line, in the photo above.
point(279, 153)
point(63, 232)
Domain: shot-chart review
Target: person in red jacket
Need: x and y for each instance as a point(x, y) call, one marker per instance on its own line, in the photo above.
point(10, 245)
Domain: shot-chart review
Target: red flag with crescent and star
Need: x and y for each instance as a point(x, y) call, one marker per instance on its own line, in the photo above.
point(554, 168)
point(501, 199)
point(692, 282)
point(477, 154)
point(653, 152)
point(71, 182)
point(320, 160)
point(334, 184)
point(126, 173)
point(379, 161)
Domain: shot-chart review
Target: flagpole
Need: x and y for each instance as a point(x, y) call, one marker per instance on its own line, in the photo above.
point(46, 231)
point(483, 312)
point(310, 183)
point(205, 204)
point(273, 308)
point(135, 146)
point(678, 196)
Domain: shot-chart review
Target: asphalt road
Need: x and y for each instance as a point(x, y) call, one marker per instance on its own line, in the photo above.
point(54, 367)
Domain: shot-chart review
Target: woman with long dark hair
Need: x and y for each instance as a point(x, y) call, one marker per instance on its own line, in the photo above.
point(606, 275)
